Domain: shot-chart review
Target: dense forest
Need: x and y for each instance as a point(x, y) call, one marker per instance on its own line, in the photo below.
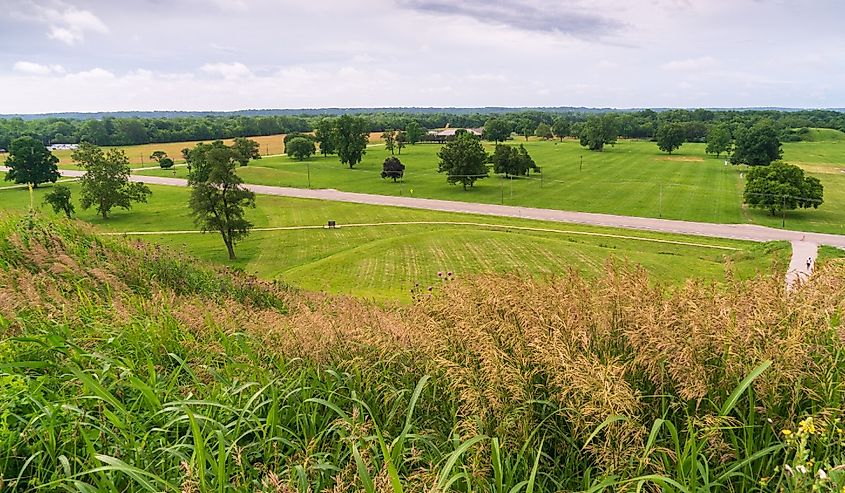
point(156, 127)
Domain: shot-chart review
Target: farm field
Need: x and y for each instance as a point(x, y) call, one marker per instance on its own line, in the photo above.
point(385, 261)
point(632, 178)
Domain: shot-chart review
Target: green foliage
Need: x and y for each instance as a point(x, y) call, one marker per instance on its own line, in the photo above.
point(59, 198)
point(30, 162)
point(780, 186)
point(351, 137)
point(512, 161)
point(544, 131)
point(158, 155)
point(401, 139)
point(393, 168)
point(561, 128)
point(218, 198)
point(389, 138)
point(300, 148)
point(497, 130)
point(105, 183)
point(414, 131)
point(166, 163)
point(598, 131)
point(463, 160)
point(719, 140)
point(245, 149)
point(325, 135)
point(670, 136)
point(758, 145)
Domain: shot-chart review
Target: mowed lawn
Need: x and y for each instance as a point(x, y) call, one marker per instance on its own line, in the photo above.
point(386, 261)
point(631, 178)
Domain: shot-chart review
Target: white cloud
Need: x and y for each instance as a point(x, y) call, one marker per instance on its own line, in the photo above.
point(67, 23)
point(228, 71)
point(691, 64)
point(31, 68)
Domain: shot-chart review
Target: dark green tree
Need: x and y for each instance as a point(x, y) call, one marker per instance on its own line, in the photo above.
point(525, 127)
point(718, 140)
point(670, 136)
point(782, 186)
point(497, 130)
point(389, 138)
point(598, 131)
point(561, 128)
point(246, 149)
point(392, 168)
point(30, 162)
point(512, 161)
point(463, 160)
point(414, 131)
point(324, 133)
point(352, 135)
point(544, 131)
point(758, 145)
point(166, 163)
point(300, 148)
point(218, 198)
point(401, 139)
point(105, 183)
point(157, 155)
point(59, 200)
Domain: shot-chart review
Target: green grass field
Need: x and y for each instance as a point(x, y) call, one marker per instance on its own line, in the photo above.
point(632, 178)
point(385, 261)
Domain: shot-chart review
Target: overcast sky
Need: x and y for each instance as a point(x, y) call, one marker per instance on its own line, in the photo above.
point(99, 55)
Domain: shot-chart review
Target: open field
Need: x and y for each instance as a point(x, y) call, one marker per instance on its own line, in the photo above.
point(632, 178)
point(139, 155)
point(385, 261)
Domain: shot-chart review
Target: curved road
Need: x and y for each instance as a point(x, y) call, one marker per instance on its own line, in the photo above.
point(804, 244)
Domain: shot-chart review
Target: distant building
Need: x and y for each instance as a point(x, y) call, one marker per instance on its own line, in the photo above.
point(63, 147)
point(447, 134)
point(2, 151)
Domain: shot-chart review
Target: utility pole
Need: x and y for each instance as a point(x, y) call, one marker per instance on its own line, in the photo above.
point(309, 173)
point(660, 213)
point(581, 167)
point(783, 211)
point(502, 189)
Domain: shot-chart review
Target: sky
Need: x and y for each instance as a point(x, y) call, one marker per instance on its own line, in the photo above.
point(202, 55)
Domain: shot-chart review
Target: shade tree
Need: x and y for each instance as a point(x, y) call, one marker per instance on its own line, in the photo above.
point(30, 162)
point(463, 160)
point(105, 184)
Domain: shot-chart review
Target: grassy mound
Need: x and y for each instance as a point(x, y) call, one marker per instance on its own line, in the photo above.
point(124, 368)
point(823, 135)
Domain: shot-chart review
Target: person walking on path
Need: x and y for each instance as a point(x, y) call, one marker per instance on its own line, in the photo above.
point(809, 262)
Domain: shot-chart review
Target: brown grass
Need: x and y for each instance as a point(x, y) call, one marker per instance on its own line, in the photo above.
point(684, 159)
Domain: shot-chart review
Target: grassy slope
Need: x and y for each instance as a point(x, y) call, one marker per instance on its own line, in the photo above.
point(386, 261)
point(632, 178)
point(125, 369)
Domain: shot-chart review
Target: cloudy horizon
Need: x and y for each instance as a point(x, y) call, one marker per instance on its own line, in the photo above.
point(224, 55)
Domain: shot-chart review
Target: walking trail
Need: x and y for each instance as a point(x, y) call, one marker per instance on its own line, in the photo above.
point(804, 244)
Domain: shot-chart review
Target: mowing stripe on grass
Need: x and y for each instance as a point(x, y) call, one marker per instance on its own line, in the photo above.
point(438, 223)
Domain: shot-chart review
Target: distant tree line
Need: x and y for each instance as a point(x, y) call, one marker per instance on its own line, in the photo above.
point(642, 124)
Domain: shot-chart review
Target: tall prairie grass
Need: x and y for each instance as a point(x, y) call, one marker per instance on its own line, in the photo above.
point(126, 367)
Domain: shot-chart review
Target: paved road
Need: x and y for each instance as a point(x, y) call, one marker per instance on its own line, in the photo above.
point(748, 232)
point(803, 262)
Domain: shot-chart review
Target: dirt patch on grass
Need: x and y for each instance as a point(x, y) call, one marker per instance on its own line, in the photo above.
point(684, 159)
point(825, 169)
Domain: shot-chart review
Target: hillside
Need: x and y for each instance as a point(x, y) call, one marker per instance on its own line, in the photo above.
point(125, 367)
point(823, 135)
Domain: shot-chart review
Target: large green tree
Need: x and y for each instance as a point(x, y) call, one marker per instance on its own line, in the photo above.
point(463, 160)
point(106, 184)
point(352, 135)
point(218, 198)
point(670, 136)
point(780, 186)
point(719, 139)
point(758, 145)
point(561, 128)
point(324, 133)
point(598, 131)
point(497, 130)
point(30, 162)
point(300, 148)
point(414, 132)
point(512, 161)
point(246, 149)
point(544, 131)
point(392, 168)
point(389, 138)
